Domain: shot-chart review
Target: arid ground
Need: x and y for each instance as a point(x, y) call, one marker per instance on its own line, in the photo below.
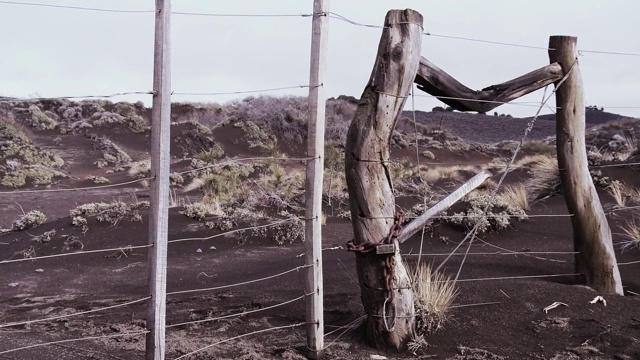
point(498, 313)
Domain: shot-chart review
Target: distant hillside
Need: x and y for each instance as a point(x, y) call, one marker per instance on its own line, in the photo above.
point(594, 116)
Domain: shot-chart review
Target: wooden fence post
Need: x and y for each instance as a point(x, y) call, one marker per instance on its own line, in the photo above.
point(159, 207)
point(596, 259)
point(385, 286)
point(315, 172)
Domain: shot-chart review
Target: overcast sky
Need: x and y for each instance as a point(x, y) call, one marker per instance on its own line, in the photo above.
point(56, 52)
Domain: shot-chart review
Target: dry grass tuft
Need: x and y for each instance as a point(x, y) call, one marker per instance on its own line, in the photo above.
point(545, 181)
point(433, 295)
point(516, 195)
point(631, 232)
point(619, 191)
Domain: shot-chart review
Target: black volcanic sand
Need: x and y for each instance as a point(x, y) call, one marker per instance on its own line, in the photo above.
point(493, 319)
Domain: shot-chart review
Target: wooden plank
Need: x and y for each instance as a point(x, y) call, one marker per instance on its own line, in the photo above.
point(315, 173)
point(371, 198)
point(596, 259)
point(417, 224)
point(437, 82)
point(159, 204)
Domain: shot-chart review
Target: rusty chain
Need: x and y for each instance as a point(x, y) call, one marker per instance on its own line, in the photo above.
point(390, 278)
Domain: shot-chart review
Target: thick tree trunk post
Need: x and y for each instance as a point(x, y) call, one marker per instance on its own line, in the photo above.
point(591, 233)
point(368, 178)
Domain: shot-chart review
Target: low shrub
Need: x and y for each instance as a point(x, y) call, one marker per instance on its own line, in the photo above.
point(30, 220)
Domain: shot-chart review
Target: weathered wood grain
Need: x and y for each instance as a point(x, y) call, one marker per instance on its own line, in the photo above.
point(437, 82)
point(369, 182)
point(596, 259)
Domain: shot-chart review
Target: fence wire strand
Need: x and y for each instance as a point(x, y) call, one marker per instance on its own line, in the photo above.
point(34, 258)
point(135, 333)
point(240, 283)
point(28, 322)
point(239, 314)
point(10, 99)
point(240, 337)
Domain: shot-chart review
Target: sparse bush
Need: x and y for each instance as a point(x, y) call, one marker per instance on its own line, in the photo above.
point(98, 179)
point(200, 210)
point(429, 155)
point(487, 212)
point(36, 174)
point(112, 212)
point(176, 179)
point(289, 232)
point(140, 169)
point(30, 220)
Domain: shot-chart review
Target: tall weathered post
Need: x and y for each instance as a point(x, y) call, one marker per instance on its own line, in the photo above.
point(384, 282)
point(595, 259)
point(313, 187)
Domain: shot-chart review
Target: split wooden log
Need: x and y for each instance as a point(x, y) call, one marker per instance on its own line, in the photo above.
point(419, 222)
point(595, 258)
point(437, 82)
point(369, 181)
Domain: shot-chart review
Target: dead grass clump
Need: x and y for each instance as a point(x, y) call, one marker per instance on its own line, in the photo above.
point(98, 179)
point(201, 210)
point(538, 147)
point(433, 295)
point(545, 178)
point(515, 195)
point(618, 191)
point(30, 220)
point(631, 233)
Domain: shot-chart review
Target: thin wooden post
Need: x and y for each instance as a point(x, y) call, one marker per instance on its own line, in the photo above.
point(315, 172)
point(595, 259)
point(385, 286)
point(159, 211)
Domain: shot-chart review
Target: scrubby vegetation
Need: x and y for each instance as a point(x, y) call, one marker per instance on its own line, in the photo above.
point(487, 212)
point(30, 220)
point(23, 162)
point(112, 213)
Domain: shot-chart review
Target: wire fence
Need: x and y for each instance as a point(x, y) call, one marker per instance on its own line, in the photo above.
point(471, 237)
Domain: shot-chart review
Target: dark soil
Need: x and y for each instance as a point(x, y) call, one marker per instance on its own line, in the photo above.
point(492, 319)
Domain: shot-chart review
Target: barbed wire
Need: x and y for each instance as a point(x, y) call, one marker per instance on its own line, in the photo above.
point(238, 314)
point(34, 258)
point(240, 283)
point(239, 337)
point(11, 99)
point(135, 333)
point(28, 322)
